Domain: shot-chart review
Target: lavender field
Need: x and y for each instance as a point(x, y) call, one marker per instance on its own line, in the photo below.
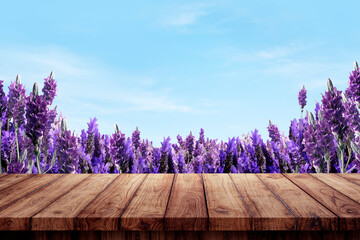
point(36, 139)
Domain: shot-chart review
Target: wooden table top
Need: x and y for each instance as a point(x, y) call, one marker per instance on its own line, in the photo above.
point(179, 202)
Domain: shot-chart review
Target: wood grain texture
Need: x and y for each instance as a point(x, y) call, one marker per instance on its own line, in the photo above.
point(310, 215)
point(17, 216)
point(60, 214)
point(147, 209)
point(342, 185)
point(227, 211)
point(355, 178)
point(186, 235)
point(104, 213)
point(219, 235)
point(268, 212)
point(27, 186)
point(10, 179)
point(186, 209)
point(344, 207)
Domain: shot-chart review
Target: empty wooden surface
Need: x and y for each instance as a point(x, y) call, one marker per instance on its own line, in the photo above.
point(180, 235)
point(310, 214)
point(147, 209)
point(25, 187)
point(347, 209)
point(355, 178)
point(268, 212)
point(227, 211)
point(350, 189)
point(17, 216)
point(179, 202)
point(104, 212)
point(6, 181)
point(187, 207)
point(60, 214)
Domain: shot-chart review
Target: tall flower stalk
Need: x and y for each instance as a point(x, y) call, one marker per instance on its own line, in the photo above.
point(37, 117)
point(3, 103)
point(302, 100)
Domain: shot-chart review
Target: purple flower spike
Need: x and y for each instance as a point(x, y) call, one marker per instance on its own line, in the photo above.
point(37, 117)
point(16, 99)
point(135, 138)
point(353, 90)
point(49, 89)
point(302, 97)
point(274, 133)
point(3, 99)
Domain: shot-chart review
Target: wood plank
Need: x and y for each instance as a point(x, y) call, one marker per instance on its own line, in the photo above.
point(187, 207)
point(147, 209)
point(344, 207)
point(60, 215)
point(219, 235)
point(27, 186)
point(17, 216)
point(310, 215)
point(352, 177)
point(227, 211)
point(12, 179)
point(118, 235)
point(340, 184)
point(268, 212)
point(104, 213)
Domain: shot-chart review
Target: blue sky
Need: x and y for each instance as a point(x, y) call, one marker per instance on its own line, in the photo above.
point(171, 67)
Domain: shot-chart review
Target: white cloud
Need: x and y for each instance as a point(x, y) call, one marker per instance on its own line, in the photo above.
point(86, 87)
point(184, 18)
point(183, 15)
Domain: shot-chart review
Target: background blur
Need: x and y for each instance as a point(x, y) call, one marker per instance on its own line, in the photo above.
point(171, 67)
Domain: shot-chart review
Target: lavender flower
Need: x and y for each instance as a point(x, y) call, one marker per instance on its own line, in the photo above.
point(136, 138)
point(3, 99)
point(274, 132)
point(66, 150)
point(353, 90)
point(37, 117)
point(189, 144)
point(16, 104)
point(302, 98)
point(332, 109)
point(166, 157)
point(49, 89)
point(319, 142)
point(118, 150)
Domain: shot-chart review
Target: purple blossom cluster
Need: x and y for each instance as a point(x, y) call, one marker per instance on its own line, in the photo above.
point(36, 139)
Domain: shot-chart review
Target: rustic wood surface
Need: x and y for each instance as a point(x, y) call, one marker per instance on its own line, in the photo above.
point(347, 209)
point(268, 212)
point(227, 210)
point(183, 203)
point(310, 214)
point(180, 235)
point(147, 209)
point(187, 207)
point(103, 214)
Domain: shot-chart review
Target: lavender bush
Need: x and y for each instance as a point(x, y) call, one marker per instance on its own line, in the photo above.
point(35, 139)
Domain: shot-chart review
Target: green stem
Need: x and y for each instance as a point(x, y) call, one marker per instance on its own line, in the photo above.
point(17, 144)
point(342, 160)
point(328, 165)
point(301, 113)
point(347, 163)
point(12, 151)
point(37, 154)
